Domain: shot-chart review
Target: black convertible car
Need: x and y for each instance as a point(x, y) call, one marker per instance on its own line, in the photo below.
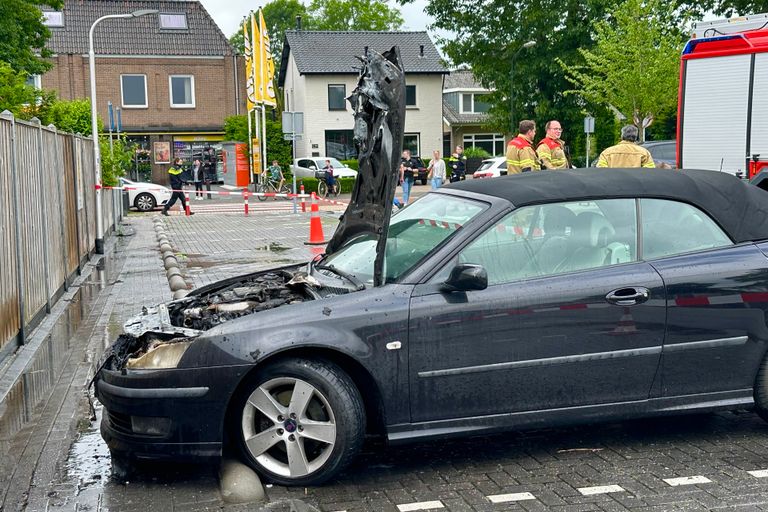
point(534, 300)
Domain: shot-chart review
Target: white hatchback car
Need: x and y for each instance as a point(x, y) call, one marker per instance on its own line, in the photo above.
point(492, 168)
point(307, 167)
point(145, 197)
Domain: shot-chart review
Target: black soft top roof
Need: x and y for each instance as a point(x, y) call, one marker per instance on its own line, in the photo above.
point(741, 209)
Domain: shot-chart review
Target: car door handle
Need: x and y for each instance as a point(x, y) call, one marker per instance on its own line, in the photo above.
point(628, 296)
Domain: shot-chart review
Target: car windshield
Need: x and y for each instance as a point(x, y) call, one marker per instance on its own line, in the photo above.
point(413, 234)
point(334, 163)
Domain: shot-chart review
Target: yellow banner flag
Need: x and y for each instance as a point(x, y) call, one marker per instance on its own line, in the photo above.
point(267, 64)
point(256, 71)
point(249, 86)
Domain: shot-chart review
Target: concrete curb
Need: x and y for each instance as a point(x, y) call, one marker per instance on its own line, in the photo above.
point(176, 282)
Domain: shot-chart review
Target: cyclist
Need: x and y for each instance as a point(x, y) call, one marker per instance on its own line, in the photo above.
point(276, 175)
point(330, 179)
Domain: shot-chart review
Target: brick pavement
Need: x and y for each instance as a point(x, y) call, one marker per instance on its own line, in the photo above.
point(609, 467)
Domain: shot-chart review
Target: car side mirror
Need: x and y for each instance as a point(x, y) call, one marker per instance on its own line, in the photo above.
point(466, 277)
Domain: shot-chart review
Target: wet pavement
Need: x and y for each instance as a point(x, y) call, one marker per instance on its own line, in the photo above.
point(53, 457)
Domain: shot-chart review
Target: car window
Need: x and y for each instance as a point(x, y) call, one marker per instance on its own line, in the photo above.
point(543, 240)
point(413, 233)
point(671, 227)
point(306, 163)
point(334, 163)
point(503, 164)
point(485, 165)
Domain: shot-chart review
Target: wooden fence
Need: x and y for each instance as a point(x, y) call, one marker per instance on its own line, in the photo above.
point(47, 221)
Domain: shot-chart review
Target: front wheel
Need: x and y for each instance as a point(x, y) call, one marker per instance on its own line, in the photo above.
point(322, 189)
point(145, 202)
point(300, 421)
point(261, 189)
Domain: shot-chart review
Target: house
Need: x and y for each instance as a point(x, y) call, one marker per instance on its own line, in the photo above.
point(318, 70)
point(465, 114)
point(173, 75)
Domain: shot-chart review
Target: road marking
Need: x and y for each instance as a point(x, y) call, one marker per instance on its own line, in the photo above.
point(421, 505)
point(759, 473)
point(687, 480)
point(506, 498)
point(600, 489)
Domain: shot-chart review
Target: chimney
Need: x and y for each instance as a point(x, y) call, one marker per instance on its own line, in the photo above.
point(421, 50)
point(298, 22)
point(365, 52)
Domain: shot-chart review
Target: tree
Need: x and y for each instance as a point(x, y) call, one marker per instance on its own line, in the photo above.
point(280, 15)
point(15, 94)
point(236, 128)
point(23, 35)
point(70, 116)
point(634, 64)
point(115, 159)
point(354, 15)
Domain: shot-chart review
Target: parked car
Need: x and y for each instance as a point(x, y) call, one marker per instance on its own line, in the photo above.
point(600, 294)
point(145, 197)
point(492, 168)
point(312, 168)
point(663, 152)
point(421, 175)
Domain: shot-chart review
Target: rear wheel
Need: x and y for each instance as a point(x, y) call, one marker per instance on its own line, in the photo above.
point(322, 189)
point(262, 189)
point(761, 390)
point(300, 421)
point(145, 202)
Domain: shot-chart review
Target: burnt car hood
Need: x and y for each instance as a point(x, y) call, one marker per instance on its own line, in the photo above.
point(378, 103)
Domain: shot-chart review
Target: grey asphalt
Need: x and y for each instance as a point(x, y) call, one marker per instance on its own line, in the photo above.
point(59, 462)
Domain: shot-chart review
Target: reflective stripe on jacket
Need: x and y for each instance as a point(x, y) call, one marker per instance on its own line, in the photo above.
point(521, 155)
point(552, 154)
point(175, 177)
point(625, 154)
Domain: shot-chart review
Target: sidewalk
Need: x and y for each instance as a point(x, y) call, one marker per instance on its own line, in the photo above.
point(41, 467)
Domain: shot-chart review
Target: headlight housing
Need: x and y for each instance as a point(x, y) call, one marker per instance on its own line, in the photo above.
point(163, 355)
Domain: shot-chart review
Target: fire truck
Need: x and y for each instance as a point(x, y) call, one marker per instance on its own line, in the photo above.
point(723, 102)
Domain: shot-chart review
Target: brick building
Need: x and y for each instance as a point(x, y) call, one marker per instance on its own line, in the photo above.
point(173, 75)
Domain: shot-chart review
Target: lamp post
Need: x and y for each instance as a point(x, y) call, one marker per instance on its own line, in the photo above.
point(527, 44)
point(94, 123)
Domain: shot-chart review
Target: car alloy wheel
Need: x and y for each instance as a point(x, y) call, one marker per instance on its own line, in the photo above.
point(145, 202)
point(301, 422)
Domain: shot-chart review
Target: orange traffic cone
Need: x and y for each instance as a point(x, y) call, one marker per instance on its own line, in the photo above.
point(626, 324)
point(316, 236)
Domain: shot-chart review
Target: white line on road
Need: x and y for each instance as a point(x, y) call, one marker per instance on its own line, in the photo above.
point(759, 473)
point(687, 480)
point(421, 505)
point(600, 489)
point(506, 498)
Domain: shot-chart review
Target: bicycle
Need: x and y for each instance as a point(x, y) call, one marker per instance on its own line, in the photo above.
point(323, 191)
point(269, 187)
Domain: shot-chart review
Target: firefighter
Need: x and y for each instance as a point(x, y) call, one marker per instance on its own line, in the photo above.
point(551, 149)
point(521, 157)
point(626, 153)
point(174, 173)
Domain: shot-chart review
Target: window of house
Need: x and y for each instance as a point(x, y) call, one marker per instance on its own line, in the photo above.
point(410, 95)
point(337, 94)
point(340, 145)
point(53, 18)
point(34, 81)
point(670, 228)
point(549, 239)
point(493, 143)
point(474, 103)
point(133, 89)
point(173, 21)
point(182, 88)
point(411, 142)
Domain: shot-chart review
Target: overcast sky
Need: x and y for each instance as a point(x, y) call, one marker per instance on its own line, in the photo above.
point(228, 15)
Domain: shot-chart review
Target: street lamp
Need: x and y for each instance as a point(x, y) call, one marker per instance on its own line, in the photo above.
point(94, 124)
point(527, 44)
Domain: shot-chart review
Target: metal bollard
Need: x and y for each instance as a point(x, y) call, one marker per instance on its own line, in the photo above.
point(245, 201)
point(186, 210)
point(303, 202)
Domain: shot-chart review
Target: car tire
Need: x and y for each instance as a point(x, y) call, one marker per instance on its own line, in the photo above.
point(145, 202)
point(299, 422)
point(761, 390)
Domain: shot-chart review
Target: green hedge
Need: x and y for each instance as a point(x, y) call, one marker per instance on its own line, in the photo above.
point(310, 184)
point(352, 164)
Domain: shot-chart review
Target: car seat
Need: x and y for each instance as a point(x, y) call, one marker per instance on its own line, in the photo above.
point(590, 241)
point(558, 226)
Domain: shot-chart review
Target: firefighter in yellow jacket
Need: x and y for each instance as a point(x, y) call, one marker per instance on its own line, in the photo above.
point(551, 149)
point(521, 156)
point(626, 153)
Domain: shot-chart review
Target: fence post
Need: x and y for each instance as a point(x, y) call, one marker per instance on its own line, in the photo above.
point(43, 211)
point(20, 274)
point(76, 186)
point(62, 229)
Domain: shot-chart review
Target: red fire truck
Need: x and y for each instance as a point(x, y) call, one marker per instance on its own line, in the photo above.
point(723, 102)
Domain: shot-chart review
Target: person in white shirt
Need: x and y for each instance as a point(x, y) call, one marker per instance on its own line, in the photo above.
point(436, 170)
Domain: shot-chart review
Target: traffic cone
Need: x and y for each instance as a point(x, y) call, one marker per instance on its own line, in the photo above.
point(626, 324)
point(187, 211)
point(316, 236)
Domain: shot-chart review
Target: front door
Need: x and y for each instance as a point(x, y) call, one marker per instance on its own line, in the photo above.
point(570, 318)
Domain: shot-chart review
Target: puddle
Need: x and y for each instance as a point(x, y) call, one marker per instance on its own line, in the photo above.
point(89, 462)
